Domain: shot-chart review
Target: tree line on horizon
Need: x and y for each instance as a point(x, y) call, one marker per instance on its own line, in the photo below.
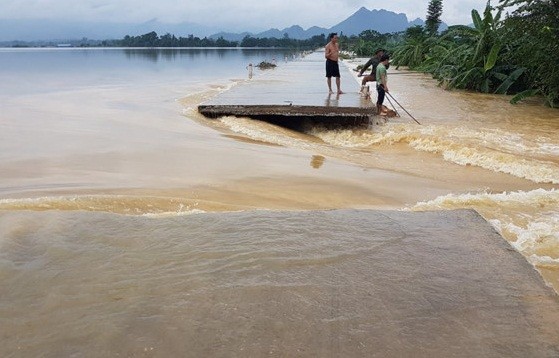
point(151, 39)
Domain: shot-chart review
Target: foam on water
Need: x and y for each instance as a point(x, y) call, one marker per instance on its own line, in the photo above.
point(528, 220)
point(180, 212)
point(492, 149)
point(265, 132)
point(201, 94)
point(121, 204)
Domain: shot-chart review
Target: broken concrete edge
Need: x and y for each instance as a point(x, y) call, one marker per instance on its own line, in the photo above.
point(292, 116)
point(287, 110)
point(503, 243)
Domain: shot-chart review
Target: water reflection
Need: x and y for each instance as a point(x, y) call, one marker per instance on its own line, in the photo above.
point(332, 102)
point(156, 54)
point(317, 161)
point(250, 70)
point(122, 65)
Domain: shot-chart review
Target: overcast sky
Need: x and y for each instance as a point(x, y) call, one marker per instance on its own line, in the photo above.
point(235, 15)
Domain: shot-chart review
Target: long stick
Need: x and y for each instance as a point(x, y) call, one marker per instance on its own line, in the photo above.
point(402, 107)
point(392, 104)
point(391, 73)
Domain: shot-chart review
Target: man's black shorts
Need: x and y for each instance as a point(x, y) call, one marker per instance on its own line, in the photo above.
point(332, 68)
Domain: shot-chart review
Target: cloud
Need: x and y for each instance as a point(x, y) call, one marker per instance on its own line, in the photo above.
point(238, 15)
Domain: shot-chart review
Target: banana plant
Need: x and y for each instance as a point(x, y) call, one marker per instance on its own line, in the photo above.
point(476, 63)
point(413, 51)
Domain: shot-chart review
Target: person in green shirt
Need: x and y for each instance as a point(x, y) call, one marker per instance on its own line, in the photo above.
point(382, 82)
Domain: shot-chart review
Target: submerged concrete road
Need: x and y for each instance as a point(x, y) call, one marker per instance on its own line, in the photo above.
point(340, 283)
point(383, 284)
point(293, 89)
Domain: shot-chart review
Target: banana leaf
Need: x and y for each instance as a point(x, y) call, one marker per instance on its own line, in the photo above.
point(523, 95)
point(477, 20)
point(509, 81)
point(492, 58)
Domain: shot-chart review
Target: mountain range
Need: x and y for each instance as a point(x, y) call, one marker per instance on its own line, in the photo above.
point(383, 21)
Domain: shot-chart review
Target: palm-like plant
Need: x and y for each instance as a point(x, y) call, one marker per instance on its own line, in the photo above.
point(412, 52)
point(534, 38)
point(473, 59)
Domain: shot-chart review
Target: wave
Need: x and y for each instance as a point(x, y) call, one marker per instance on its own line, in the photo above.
point(197, 96)
point(151, 206)
point(269, 133)
point(528, 220)
point(492, 149)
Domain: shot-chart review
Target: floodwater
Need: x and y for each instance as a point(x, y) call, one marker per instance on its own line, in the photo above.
point(100, 150)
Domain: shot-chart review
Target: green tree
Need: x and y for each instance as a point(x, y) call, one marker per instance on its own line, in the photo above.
point(477, 60)
point(433, 20)
point(149, 39)
point(533, 34)
point(221, 42)
point(413, 50)
point(367, 42)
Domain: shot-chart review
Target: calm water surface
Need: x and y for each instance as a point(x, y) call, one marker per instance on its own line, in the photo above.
point(102, 138)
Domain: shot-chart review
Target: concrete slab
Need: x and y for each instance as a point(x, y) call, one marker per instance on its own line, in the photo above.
point(394, 284)
point(342, 283)
point(293, 90)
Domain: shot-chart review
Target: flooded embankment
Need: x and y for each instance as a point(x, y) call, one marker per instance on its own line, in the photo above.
point(341, 283)
point(131, 225)
point(472, 151)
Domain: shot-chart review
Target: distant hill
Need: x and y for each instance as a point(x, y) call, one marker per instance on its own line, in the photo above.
point(383, 21)
point(230, 36)
point(363, 19)
point(294, 32)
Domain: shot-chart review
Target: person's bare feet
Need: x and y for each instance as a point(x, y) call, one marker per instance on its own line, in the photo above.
point(340, 92)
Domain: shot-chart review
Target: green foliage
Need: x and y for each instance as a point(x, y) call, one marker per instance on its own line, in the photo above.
point(515, 55)
point(367, 42)
point(265, 65)
point(151, 39)
point(492, 57)
point(523, 95)
point(433, 20)
point(412, 52)
point(533, 42)
point(473, 56)
point(285, 42)
point(508, 81)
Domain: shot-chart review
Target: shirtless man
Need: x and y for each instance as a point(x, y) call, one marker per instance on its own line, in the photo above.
point(332, 54)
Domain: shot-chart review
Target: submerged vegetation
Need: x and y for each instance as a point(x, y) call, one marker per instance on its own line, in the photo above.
point(513, 54)
point(265, 65)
